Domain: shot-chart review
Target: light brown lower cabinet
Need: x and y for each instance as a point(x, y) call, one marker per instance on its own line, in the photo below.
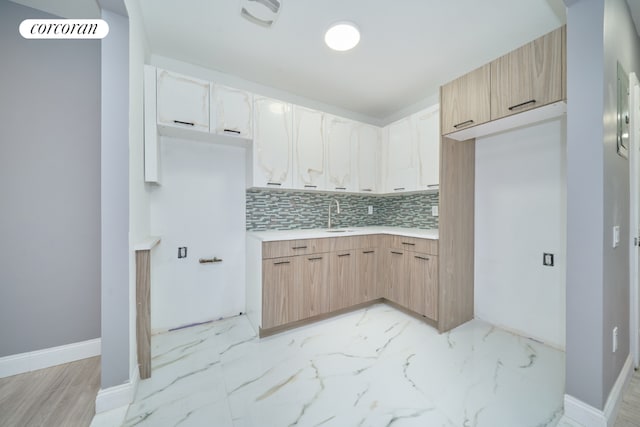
point(422, 286)
point(342, 279)
point(281, 298)
point(394, 273)
point(312, 276)
point(368, 271)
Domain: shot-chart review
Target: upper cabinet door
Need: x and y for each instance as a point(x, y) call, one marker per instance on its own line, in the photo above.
point(466, 102)
point(272, 154)
point(308, 148)
point(401, 165)
point(232, 112)
point(182, 101)
point(339, 135)
point(367, 158)
point(528, 77)
point(428, 144)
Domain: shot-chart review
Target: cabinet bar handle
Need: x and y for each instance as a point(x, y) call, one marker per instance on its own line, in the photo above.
point(368, 252)
point(421, 257)
point(468, 122)
point(298, 247)
point(237, 132)
point(341, 188)
point(397, 253)
point(513, 107)
point(310, 186)
point(341, 255)
point(180, 122)
point(273, 183)
point(281, 262)
point(433, 185)
point(408, 243)
point(366, 189)
point(398, 189)
point(209, 260)
point(315, 258)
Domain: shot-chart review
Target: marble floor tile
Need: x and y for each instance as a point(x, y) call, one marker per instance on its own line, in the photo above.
point(372, 367)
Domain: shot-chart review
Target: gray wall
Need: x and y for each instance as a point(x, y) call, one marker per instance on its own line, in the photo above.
point(115, 201)
point(49, 188)
point(598, 35)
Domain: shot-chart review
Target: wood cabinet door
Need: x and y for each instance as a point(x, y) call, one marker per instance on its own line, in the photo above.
point(528, 77)
point(232, 112)
point(368, 270)
point(395, 277)
point(401, 164)
point(342, 279)
point(313, 277)
point(272, 145)
point(466, 101)
point(422, 290)
point(367, 158)
point(281, 297)
point(427, 124)
point(182, 101)
point(308, 149)
point(339, 135)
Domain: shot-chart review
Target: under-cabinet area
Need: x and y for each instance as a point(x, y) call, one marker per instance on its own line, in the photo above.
point(294, 277)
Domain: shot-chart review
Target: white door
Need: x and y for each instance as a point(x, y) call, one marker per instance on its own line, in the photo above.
point(183, 101)
point(272, 143)
point(427, 124)
point(232, 112)
point(339, 134)
point(366, 156)
point(308, 149)
point(401, 170)
point(634, 163)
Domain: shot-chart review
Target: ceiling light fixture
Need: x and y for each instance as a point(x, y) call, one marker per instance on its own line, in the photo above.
point(342, 36)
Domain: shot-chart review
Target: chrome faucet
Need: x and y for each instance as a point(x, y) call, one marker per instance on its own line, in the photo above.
point(337, 211)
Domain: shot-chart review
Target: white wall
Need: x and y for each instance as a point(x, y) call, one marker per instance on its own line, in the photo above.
point(520, 213)
point(200, 205)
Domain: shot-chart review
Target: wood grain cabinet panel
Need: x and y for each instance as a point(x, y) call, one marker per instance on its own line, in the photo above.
point(466, 101)
point(281, 297)
point(528, 77)
point(394, 275)
point(313, 277)
point(342, 279)
point(422, 288)
point(368, 270)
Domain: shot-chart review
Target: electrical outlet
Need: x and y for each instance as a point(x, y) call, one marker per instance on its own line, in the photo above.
point(616, 236)
point(434, 210)
point(182, 252)
point(370, 210)
point(615, 339)
point(547, 259)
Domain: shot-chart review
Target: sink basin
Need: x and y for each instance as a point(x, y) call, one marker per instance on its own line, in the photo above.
point(338, 230)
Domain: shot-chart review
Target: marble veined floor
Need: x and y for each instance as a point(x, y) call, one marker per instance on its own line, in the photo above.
point(372, 367)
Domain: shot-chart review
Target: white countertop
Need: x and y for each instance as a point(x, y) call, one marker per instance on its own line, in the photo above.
point(316, 233)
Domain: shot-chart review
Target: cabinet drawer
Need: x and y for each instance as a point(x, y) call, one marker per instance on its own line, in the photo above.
point(283, 248)
point(427, 246)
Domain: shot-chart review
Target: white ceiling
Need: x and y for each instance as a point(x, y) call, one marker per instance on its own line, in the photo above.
point(408, 48)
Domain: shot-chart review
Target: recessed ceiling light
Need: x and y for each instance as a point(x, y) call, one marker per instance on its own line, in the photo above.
point(342, 36)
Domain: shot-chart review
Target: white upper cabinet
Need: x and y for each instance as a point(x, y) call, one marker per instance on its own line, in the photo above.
point(399, 156)
point(308, 149)
point(339, 135)
point(272, 143)
point(231, 112)
point(427, 124)
point(182, 101)
point(367, 158)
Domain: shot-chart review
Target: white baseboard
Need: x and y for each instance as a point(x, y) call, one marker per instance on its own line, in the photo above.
point(118, 396)
point(34, 360)
point(588, 416)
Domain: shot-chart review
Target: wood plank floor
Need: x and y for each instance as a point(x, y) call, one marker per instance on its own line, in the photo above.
point(62, 395)
point(629, 414)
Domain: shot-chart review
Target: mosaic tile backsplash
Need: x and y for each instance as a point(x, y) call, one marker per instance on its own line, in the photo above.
point(288, 210)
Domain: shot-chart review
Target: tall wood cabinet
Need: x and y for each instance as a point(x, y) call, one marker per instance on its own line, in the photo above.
point(528, 77)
